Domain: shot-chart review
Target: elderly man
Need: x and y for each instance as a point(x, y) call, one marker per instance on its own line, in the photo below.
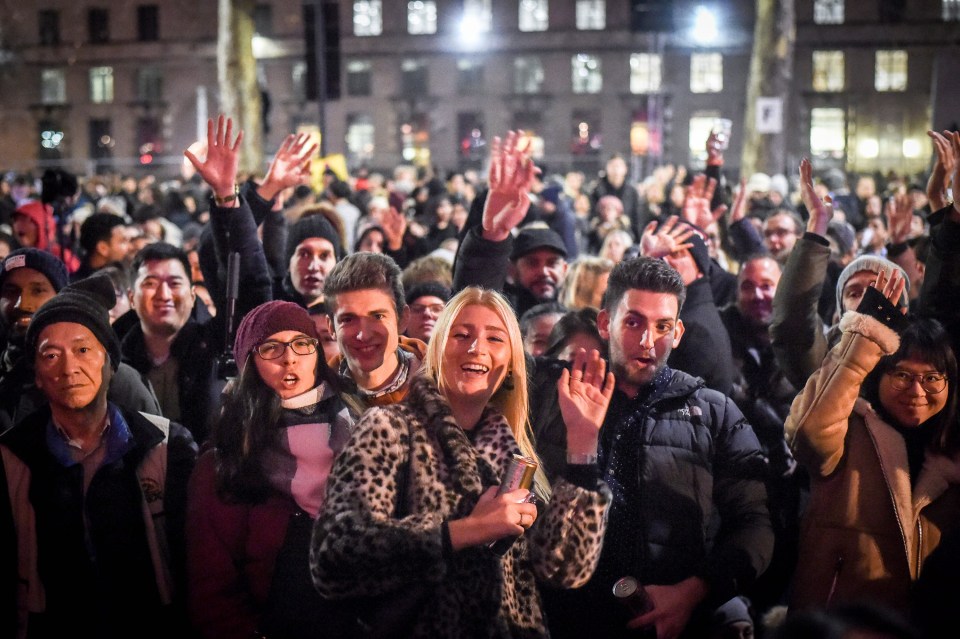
point(95, 496)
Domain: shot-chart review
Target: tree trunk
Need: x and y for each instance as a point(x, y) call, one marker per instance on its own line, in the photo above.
point(771, 72)
point(237, 77)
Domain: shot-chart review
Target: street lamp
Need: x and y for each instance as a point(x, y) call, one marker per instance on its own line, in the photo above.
point(704, 29)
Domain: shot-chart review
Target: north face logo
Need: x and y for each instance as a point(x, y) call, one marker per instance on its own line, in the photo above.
point(152, 491)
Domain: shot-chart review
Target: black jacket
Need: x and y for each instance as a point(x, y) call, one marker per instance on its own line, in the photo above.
point(704, 349)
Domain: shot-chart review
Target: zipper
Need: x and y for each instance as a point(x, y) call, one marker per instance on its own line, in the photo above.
point(837, 567)
point(919, 546)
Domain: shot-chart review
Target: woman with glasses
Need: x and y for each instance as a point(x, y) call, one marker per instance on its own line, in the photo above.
point(876, 427)
point(255, 494)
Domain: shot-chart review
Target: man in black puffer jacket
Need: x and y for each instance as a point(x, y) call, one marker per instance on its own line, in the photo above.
point(689, 517)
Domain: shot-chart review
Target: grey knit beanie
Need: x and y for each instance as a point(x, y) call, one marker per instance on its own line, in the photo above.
point(873, 263)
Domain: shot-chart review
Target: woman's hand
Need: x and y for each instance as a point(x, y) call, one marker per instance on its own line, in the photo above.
point(584, 393)
point(899, 217)
point(696, 203)
point(219, 169)
point(494, 517)
point(821, 212)
point(290, 166)
point(942, 171)
point(508, 199)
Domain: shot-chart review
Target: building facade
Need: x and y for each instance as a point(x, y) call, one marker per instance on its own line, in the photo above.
point(127, 86)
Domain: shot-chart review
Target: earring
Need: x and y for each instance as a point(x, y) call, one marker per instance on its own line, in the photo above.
point(508, 382)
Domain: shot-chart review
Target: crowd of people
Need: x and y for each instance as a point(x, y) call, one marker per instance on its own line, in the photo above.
point(257, 406)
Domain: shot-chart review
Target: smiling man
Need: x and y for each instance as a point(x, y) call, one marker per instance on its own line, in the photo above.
point(680, 459)
point(95, 511)
point(365, 295)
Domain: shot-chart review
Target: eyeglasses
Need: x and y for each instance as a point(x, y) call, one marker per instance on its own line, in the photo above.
point(420, 309)
point(300, 346)
point(932, 383)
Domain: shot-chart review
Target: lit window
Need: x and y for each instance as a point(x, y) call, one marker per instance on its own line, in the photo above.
point(527, 74)
point(53, 86)
point(477, 15)
point(828, 71)
point(415, 140)
point(701, 125)
point(359, 77)
point(591, 14)
point(828, 11)
point(149, 84)
point(827, 133)
point(891, 71)
point(421, 17)
point(360, 137)
point(645, 71)
point(951, 10)
point(367, 18)
point(101, 85)
point(706, 73)
point(586, 132)
point(587, 76)
point(533, 15)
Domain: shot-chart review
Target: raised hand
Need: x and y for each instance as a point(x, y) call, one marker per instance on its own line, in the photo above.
point(219, 169)
point(954, 138)
point(666, 238)
point(696, 204)
point(290, 166)
point(899, 217)
point(739, 210)
point(821, 211)
point(891, 286)
point(508, 200)
point(942, 170)
point(715, 145)
point(584, 394)
point(394, 225)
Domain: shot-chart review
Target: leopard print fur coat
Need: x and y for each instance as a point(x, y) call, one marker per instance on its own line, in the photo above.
point(371, 540)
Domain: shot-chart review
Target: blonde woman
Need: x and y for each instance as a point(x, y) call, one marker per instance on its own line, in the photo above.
point(413, 504)
point(585, 282)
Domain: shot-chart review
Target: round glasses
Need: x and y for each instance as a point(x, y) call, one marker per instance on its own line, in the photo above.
point(932, 383)
point(300, 346)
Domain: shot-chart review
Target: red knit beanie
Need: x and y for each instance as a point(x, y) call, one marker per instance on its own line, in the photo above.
point(267, 319)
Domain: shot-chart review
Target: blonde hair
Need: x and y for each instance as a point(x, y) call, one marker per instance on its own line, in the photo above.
point(510, 398)
point(581, 281)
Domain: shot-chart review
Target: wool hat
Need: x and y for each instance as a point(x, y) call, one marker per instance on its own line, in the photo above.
point(48, 264)
point(312, 226)
point(267, 319)
point(734, 610)
point(843, 234)
point(364, 231)
point(759, 183)
point(870, 263)
point(427, 289)
point(87, 302)
point(529, 240)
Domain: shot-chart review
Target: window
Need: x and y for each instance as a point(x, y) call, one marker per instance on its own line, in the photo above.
point(529, 128)
point(527, 74)
point(421, 17)
point(414, 80)
point(53, 86)
point(891, 71)
point(101, 85)
point(828, 71)
point(415, 139)
point(585, 125)
point(48, 22)
point(533, 15)
point(469, 76)
point(706, 73)
point(591, 14)
point(827, 133)
point(645, 72)
point(101, 141)
point(828, 11)
point(359, 138)
point(149, 84)
point(148, 23)
point(263, 20)
point(98, 25)
point(701, 124)
point(587, 76)
point(359, 76)
point(51, 138)
point(477, 15)
point(951, 10)
point(367, 18)
point(149, 139)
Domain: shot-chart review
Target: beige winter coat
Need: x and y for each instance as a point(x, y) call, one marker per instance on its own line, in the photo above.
point(866, 532)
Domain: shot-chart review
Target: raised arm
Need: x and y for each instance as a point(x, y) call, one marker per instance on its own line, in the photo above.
point(942, 172)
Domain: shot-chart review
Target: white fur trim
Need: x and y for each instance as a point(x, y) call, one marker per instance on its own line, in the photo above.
point(873, 329)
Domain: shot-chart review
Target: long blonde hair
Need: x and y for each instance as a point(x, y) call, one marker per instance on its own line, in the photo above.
point(511, 397)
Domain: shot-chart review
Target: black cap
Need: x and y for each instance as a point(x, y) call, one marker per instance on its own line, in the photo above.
point(529, 240)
